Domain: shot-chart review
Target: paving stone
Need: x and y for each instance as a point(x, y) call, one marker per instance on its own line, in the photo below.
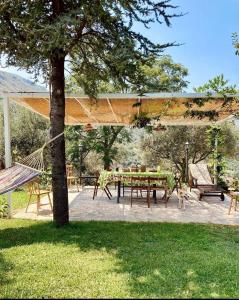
point(83, 208)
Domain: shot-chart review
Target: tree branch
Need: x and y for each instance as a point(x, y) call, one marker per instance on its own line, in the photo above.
point(7, 19)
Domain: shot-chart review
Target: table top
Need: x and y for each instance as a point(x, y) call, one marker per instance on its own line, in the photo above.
point(107, 176)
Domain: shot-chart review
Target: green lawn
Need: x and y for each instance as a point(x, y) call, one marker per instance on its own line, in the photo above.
point(19, 199)
point(117, 259)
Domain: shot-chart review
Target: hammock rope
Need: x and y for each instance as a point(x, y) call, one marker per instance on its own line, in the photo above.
point(25, 170)
point(36, 159)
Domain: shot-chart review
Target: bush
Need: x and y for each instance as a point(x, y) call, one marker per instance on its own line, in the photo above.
point(3, 208)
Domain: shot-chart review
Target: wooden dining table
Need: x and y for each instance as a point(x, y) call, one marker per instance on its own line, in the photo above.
point(107, 177)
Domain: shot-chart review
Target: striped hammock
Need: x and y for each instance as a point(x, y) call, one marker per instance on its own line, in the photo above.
point(16, 176)
point(24, 171)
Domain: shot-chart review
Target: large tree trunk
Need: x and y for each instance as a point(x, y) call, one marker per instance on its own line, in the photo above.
point(57, 116)
point(106, 159)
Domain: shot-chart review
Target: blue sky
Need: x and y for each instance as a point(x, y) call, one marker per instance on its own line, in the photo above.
point(205, 32)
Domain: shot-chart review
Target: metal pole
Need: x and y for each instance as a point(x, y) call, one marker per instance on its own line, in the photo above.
point(186, 161)
point(81, 159)
point(7, 145)
point(215, 159)
point(80, 165)
point(186, 175)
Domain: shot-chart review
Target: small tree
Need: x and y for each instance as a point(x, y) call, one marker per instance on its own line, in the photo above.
point(223, 142)
point(164, 75)
point(28, 131)
point(170, 145)
point(222, 88)
point(101, 140)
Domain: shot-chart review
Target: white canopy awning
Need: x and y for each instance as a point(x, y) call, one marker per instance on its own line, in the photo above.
point(120, 109)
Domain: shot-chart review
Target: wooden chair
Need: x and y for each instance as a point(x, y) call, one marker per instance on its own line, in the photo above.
point(178, 183)
point(34, 190)
point(139, 183)
point(143, 168)
point(234, 200)
point(96, 187)
point(159, 184)
point(182, 197)
point(126, 185)
point(71, 179)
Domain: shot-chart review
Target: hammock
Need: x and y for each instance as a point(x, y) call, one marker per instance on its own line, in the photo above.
point(24, 171)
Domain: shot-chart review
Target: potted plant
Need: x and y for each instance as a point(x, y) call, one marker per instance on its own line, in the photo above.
point(141, 120)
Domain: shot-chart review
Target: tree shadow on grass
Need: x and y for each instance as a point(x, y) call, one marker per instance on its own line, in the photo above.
point(5, 268)
point(161, 260)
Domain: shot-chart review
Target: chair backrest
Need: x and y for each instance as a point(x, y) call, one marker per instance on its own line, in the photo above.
point(139, 181)
point(69, 170)
point(160, 182)
point(201, 173)
point(34, 186)
point(134, 169)
point(143, 168)
point(97, 173)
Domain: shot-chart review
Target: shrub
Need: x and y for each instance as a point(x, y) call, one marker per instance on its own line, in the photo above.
point(3, 208)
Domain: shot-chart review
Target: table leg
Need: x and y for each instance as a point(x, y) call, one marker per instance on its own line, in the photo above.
point(231, 203)
point(154, 195)
point(222, 196)
point(118, 193)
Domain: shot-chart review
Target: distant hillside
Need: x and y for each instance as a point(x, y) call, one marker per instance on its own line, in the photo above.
point(14, 83)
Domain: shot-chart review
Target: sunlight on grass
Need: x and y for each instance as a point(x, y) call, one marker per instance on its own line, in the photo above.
point(19, 199)
point(118, 260)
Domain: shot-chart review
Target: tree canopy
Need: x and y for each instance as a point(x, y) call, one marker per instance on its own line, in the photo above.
point(102, 140)
point(169, 145)
point(217, 85)
point(98, 36)
point(160, 74)
point(28, 132)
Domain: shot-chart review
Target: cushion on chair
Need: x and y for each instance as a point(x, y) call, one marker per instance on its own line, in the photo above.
point(201, 173)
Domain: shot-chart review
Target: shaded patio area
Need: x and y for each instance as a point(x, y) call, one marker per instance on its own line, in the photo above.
point(83, 208)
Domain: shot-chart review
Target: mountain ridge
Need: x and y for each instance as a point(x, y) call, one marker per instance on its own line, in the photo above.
point(13, 83)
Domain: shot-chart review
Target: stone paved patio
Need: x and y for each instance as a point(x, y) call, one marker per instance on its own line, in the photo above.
point(84, 208)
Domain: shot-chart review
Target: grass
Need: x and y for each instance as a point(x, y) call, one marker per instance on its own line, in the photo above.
point(19, 199)
point(118, 260)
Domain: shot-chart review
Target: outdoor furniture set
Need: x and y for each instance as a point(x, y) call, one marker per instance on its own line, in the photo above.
point(142, 184)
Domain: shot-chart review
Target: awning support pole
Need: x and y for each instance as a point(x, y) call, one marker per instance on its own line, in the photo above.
point(215, 160)
point(7, 145)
